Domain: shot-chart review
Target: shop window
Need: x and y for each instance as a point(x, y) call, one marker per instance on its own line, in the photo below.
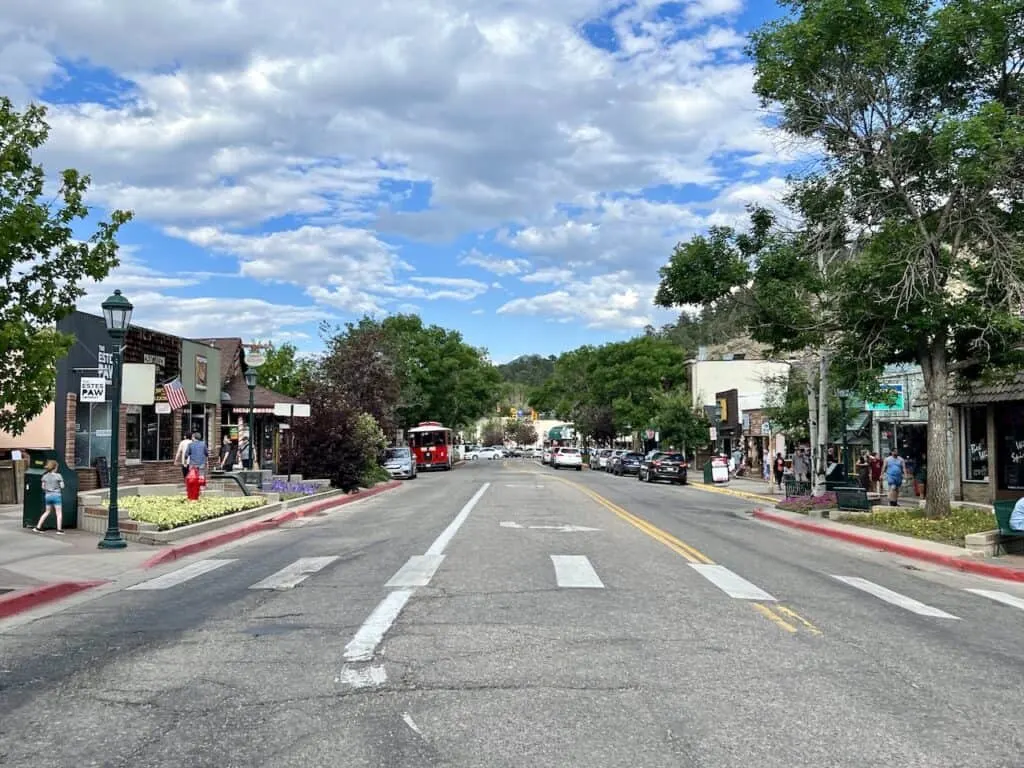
point(157, 435)
point(133, 435)
point(976, 443)
point(92, 433)
point(1010, 447)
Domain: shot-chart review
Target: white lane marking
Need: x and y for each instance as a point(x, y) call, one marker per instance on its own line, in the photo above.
point(895, 598)
point(412, 724)
point(182, 575)
point(575, 571)
point(442, 541)
point(294, 574)
point(417, 571)
point(1000, 597)
point(562, 528)
point(368, 677)
point(509, 524)
point(366, 640)
point(732, 584)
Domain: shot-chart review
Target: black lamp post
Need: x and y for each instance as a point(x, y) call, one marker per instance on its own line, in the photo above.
point(844, 395)
point(250, 382)
point(117, 313)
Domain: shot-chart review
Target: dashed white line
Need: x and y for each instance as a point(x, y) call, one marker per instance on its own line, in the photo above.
point(1000, 597)
point(181, 575)
point(417, 572)
point(575, 571)
point(407, 718)
point(292, 575)
point(732, 584)
point(895, 598)
point(362, 646)
point(367, 677)
point(442, 541)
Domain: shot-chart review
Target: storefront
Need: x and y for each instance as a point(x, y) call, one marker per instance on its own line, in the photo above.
point(989, 428)
point(149, 433)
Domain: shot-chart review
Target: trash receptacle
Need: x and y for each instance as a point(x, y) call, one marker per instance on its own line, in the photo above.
point(33, 506)
point(708, 477)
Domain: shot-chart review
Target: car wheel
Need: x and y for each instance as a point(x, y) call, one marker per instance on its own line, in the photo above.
point(639, 477)
point(579, 469)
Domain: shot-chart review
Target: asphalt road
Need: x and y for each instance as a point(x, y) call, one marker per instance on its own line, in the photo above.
point(508, 615)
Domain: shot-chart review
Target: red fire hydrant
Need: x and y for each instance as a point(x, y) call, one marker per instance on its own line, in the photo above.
point(193, 482)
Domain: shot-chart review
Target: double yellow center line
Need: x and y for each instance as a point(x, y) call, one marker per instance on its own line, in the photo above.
point(783, 617)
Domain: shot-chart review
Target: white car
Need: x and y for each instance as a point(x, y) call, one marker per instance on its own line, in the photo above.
point(483, 453)
point(567, 458)
point(545, 455)
point(603, 458)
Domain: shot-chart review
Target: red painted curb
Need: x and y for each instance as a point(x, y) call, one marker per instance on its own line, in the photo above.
point(217, 539)
point(27, 599)
point(967, 565)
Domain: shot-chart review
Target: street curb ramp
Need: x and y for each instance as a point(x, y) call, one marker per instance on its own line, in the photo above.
point(217, 539)
point(964, 564)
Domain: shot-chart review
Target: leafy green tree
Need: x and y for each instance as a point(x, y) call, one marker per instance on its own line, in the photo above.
point(493, 433)
point(530, 370)
point(679, 424)
point(42, 264)
point(525, 433)
point(916, 108)
point(283, 370)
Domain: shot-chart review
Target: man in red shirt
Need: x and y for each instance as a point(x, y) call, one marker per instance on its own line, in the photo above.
point(875, 468)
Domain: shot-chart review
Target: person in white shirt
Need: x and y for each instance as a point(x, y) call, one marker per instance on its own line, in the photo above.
point(181, 455)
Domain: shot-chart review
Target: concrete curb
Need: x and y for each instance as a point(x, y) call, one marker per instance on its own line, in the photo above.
point(27, 599)
point(965, 564)
point(183, 550)
point(738, 494)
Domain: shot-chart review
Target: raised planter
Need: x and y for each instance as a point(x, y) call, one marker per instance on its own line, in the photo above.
point(983, 544)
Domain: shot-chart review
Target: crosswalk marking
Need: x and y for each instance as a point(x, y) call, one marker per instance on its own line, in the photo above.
point(1000, 597)
point(294, 574)
point(181, 575)
point(417, 571)
point(732, 584)
point(895, 598)
point(575, 571)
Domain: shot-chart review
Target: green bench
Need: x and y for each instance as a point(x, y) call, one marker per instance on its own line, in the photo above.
point(1003, 510)
point(852, 497)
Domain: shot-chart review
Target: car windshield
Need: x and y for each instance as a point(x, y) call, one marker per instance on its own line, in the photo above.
point(398, 453)
point(633, 456)
point(672, 457)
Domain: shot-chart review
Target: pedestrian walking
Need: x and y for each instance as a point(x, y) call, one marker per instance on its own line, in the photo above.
point(864, 471)
point(875, 468)
point(780, 469)
point(245, 452)
point(181, 455)
point(895, 468)
point(228, 454)
point(198, 454)
point(53, 497)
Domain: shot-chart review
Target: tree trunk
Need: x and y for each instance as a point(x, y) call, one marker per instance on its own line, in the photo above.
point(823, 433)
point(935, 367)
point(812, 424)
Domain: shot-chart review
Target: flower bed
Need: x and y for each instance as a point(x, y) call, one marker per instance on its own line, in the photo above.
point(950, 529)
point(168, 512)
point(804, 504)
point(296, 490)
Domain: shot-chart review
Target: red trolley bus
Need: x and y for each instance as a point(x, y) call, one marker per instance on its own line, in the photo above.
point(431, 444)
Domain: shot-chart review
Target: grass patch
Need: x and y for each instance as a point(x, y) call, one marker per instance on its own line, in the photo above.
point(950, 529)
point(804, 504)
point(168, 512)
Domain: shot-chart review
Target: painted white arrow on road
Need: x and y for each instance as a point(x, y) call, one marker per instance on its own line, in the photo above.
point(559, 528)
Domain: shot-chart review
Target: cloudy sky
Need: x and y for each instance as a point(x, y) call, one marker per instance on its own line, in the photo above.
point(516, 169)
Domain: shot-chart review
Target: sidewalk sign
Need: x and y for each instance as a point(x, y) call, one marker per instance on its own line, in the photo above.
point(719, 469)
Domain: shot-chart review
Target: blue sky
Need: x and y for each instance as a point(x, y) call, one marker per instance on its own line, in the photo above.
point(515, 169)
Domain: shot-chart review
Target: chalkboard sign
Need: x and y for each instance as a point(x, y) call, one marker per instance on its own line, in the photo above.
point(102, 470)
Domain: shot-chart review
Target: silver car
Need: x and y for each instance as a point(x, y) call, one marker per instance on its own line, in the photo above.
point(399, 462)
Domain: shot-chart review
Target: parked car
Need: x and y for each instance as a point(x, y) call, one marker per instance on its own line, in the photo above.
point(610, 463)
point(602, 457)
point(545, 456)
point(567, 458)
point(483, 453)
point(399, 462)
point(661, 465)
point(626, 463)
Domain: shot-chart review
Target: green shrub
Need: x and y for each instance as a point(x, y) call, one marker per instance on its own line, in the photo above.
point(168, 512)
point(950, 529)
point(373, 475)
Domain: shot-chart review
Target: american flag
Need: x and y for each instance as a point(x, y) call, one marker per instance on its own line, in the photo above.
point(175, 394)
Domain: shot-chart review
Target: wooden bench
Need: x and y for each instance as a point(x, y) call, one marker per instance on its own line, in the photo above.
point(852, 497)
point(1003, 510)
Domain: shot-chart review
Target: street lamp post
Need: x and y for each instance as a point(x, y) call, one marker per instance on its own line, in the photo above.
point(250, 382)
point(117, 313)
point(844, 395)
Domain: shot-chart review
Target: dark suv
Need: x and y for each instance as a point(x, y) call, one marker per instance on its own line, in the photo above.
point(662, 465)
point(626, 464)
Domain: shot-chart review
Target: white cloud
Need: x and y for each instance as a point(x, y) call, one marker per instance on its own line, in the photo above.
point(288, 139)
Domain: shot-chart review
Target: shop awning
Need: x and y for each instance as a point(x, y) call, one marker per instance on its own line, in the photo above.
point(561, 432)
